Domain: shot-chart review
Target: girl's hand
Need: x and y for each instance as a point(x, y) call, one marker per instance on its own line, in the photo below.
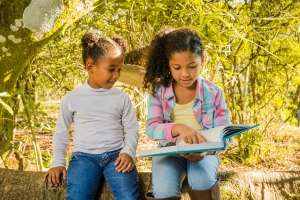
point(188, 134)
point(193, 156)
point(55, 176)
point(124, 163)
point(198, 156)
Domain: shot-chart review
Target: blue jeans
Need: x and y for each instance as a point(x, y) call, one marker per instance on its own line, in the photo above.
point(168, 172)
point(87, 172)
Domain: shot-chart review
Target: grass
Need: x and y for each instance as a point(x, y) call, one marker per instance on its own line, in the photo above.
point(282, 152)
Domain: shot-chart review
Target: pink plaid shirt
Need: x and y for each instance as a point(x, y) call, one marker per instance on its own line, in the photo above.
point(209, 109)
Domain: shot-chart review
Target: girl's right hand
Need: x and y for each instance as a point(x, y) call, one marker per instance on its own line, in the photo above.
point(188, 134)
point(55, 175)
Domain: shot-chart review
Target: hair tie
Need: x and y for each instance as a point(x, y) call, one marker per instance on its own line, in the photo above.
point(91, 44)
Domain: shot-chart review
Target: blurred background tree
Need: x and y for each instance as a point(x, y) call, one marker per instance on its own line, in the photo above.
point(252, 52)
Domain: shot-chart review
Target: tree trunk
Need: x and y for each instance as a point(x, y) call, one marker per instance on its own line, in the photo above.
point(15, 185)
point(25, 27)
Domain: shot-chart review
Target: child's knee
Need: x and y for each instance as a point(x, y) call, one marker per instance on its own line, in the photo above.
point(204, 182)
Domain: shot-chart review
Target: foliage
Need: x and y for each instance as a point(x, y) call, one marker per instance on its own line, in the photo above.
point(253, 53)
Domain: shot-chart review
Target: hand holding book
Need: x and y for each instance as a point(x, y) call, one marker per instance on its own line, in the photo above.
point(187, 134)
point(197, 155)
point(216, 140)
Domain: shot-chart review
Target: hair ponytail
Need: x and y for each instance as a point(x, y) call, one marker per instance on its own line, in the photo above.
point(94, 46)
point(157, 65)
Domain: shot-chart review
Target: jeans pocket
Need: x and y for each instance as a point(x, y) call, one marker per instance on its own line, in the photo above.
point(75, 156)
point(114, 155)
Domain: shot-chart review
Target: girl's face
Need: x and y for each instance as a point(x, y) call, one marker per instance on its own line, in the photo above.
point(185, 67)
point(106, 70)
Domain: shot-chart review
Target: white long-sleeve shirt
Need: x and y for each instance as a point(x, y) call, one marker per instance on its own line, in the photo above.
point(104, 120)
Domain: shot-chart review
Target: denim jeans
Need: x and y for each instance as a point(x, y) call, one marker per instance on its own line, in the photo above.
point(87, 172)
point(168, 173)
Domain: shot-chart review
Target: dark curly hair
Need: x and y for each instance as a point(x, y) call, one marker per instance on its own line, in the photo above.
point(94, 46)
point(164, 44)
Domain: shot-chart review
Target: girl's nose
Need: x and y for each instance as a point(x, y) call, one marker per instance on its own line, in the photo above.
point(185, 73)
point(116, 75)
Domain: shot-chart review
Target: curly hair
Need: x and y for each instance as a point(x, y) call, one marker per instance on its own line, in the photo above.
point(163, 46)
point(94, 46)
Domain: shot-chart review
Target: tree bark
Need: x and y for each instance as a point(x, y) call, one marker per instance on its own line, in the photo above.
point(265, 185)
point(19, 46)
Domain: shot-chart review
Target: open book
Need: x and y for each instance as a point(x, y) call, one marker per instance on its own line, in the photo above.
point(216, 140)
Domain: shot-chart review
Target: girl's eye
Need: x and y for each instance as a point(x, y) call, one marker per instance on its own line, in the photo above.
point(112, 70)
point(176, 68)
point(193, 66)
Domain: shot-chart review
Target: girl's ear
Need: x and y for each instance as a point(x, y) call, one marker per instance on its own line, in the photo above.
point(89, 64)
point(203, 57)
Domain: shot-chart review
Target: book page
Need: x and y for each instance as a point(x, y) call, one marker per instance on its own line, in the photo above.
point(213, 134)
point(203, 147)
point(215, 141)
point(237, 129)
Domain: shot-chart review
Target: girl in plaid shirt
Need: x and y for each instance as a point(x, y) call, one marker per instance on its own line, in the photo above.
point(180, 105)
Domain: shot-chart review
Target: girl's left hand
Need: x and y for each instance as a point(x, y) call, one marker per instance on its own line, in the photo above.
point(193, 156)
point(124, 163)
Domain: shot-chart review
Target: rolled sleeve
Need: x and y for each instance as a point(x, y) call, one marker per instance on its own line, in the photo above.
point(156, 128)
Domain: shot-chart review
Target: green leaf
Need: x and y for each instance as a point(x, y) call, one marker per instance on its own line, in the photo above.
point(6, 106)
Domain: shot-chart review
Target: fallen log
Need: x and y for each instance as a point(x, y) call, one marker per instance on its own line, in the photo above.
point(27, 185)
